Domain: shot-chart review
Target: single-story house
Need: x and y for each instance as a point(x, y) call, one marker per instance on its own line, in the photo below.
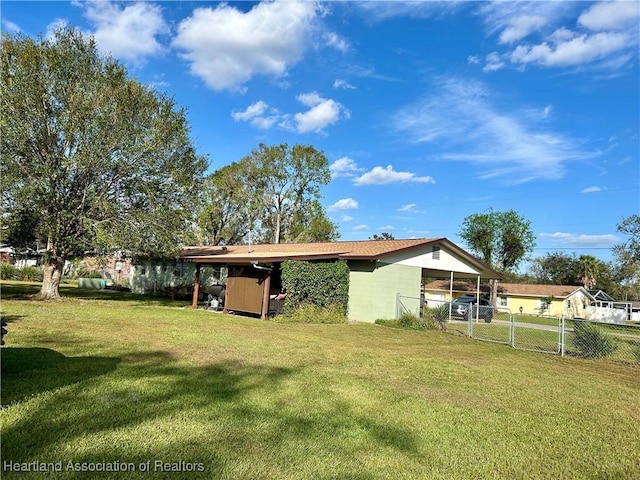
point(570, 301)
point(381, 271)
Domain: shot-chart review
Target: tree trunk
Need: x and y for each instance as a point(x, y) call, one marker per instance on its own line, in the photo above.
point(493, 292)
point(52, 274)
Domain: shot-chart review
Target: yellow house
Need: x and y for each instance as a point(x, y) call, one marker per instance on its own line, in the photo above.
point(526, 299)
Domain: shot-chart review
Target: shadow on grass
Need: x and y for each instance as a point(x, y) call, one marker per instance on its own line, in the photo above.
point(13, 290)
point(236, 420)
point(31, 371)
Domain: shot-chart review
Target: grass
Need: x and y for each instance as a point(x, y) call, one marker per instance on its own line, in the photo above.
point(99, 377)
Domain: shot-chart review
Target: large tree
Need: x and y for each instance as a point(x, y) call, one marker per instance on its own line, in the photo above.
point(554, 268)
point(227, 207)
point(100, 160)
point(271, 195)
point(501, 239)
point(289, 181)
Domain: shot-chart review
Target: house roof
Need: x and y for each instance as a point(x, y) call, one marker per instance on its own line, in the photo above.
point(523, 289)
point(367, 249)
point(356, 250)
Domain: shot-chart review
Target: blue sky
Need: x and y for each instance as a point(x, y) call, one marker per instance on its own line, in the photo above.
point(428, 112)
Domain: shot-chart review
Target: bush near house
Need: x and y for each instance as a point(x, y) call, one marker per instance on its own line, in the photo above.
point(26, 274)
point(321, 284)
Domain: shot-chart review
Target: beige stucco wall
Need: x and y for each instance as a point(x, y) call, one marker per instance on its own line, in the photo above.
point(445, 260)
point(373, 287)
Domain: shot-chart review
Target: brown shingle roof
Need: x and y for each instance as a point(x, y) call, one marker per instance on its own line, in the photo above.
point(525, 289)
point(366, 249)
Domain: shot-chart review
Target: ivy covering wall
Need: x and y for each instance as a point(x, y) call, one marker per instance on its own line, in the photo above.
point(324, 284)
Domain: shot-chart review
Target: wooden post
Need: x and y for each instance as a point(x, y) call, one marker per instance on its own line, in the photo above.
point(196, 287)
point(265, 297)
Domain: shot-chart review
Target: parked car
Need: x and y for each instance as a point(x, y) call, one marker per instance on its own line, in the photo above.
point(462, 307)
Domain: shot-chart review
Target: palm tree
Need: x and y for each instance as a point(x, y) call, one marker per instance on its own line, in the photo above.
point(588, 268)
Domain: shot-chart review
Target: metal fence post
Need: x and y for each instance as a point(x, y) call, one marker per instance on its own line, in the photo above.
point(512, 330)
point(562, 336)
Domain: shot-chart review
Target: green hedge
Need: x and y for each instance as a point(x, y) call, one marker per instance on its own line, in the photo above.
point(323, 284)
point(11, 272)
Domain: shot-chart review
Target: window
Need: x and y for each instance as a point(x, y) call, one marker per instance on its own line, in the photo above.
point(435, 253)
point(502, 302)
point(143, 271)
point(179, 270)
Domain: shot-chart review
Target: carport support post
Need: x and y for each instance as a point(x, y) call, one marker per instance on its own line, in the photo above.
point(196, 287)
point(265, 297)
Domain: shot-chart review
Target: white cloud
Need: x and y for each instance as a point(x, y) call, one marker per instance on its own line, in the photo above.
point(521, 26)
point(593, 189)
point(254, 114)
point(343, 167)
point(346, 218)
point(127, 32)
point(460, 116)
point(575, 51)
point(514, 21)
point(360, 228)
point(252, 111)
point(494, 62)
point(335, 41)
point(410, 208)
point(386, 228)
point(580, 239)
point(343, 84)
point(383, 176)
point(611, 15)
point(10, 27)
point(227, 47)
point(343, 204)
point(473, 59)
point(322, 113)
point(605, 36)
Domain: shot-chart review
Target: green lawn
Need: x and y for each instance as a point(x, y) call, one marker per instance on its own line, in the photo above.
point(102, 379)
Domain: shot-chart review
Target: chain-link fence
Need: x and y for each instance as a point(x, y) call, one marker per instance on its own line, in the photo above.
point(535, 333)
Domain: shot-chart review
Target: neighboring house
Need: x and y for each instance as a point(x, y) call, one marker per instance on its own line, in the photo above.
point(380, 270)
point(172, 277)
point(569, 301)
point(26, 257)
point(116, 268)
point(528, 299)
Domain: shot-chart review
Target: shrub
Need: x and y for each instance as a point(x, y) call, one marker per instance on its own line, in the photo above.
point(27, 274)
point(438, 315)
point(591, 341)
point(411, 321)
point(308, 313)
point(9, 272)
point(31, 274)
point(323, 284)
point(385, 322)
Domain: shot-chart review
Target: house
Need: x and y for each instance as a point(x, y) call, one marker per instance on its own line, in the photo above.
point(380, 271)
point(526, 299)
point(570, 301)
